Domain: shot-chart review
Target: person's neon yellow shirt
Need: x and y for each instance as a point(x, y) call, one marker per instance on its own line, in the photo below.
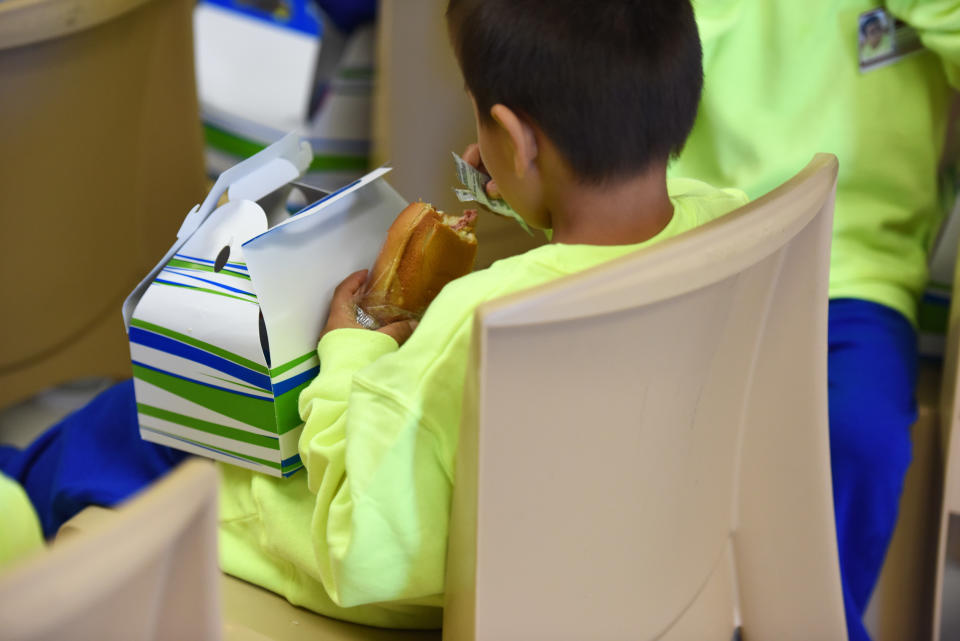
point(361, 534)
point(20, 533)
point(782, 82)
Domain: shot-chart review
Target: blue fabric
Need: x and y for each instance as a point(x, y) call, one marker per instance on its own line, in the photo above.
point(872, 373)
point(93, 457)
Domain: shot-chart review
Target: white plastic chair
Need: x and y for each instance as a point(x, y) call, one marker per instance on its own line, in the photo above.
point(149, 572)
point(226, 608)
point(645, 450)
point(946, 596)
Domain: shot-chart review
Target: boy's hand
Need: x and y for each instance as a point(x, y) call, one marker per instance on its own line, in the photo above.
point(343, 305)
point(472, 157)
point(343, 310)
point(399, 331)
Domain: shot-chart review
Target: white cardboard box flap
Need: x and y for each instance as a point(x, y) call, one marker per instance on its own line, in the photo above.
point(223, 337)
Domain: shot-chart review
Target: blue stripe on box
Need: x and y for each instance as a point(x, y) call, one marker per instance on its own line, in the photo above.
point(176, 348)
point(296, 15)
point(295, 381)
point(183, 273)
point(201, 383)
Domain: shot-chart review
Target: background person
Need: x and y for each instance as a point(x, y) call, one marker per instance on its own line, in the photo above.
point(783, 82)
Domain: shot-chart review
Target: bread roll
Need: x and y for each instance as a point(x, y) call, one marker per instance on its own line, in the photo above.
point(424, 250)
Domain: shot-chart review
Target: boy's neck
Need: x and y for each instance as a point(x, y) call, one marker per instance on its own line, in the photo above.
point(624, 212)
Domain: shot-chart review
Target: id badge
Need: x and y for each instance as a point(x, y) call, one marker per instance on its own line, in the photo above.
point(883, 40)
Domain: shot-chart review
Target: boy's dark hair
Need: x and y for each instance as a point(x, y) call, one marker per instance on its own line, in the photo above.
point(614, 84)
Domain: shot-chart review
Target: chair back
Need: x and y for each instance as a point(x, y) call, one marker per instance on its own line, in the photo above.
point(102, 158)
point(645, 450)
point(150, 573)
point(946, 588)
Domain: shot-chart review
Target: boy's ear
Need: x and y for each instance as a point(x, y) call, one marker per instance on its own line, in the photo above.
point(521, 135)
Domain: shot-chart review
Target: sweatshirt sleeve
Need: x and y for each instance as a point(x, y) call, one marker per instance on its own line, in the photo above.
point(938, 24)
point(20, 534)
point(374, 463)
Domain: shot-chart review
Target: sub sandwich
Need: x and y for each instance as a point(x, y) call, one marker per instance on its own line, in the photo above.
point(424, 250)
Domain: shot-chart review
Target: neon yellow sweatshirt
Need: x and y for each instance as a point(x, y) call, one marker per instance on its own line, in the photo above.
point(20, 534)
point(782, 82)
point(362, 534)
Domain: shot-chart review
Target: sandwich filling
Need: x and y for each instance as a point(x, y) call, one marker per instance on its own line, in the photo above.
point(463, 225)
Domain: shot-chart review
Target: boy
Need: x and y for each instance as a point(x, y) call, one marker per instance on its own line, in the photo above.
point(578, 106)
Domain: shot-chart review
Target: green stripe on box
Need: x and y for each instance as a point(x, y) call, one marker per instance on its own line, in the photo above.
point(176, 262)
point(190, 340)
point(258, 412)
point(236, 146)
point(233, 382)
point(286, 367)
point(204, 290)
point(216, 429)
point(288, 409)
point(253, 459)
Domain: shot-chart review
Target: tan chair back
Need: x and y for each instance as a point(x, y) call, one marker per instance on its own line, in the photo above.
point(102, 158)
point(645, 450)
point(148, 573)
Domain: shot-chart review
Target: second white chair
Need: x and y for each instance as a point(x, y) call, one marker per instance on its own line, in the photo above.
point(147, 573)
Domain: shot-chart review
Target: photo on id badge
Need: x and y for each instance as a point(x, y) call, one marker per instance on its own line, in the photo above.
point(883, 40)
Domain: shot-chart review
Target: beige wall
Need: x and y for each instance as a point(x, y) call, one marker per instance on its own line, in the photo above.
point(102, 158)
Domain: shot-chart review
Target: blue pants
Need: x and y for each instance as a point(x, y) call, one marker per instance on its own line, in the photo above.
point(872, 373)
point(95, 456)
